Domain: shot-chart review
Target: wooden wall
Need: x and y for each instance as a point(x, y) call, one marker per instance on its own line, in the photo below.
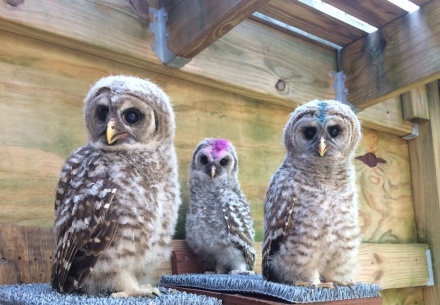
point(42, 86)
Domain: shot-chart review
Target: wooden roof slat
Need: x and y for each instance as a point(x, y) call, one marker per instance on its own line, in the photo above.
point(421, 2)
point(312, 21)
point(299, 36)
point(188, 38)
point(374, 12)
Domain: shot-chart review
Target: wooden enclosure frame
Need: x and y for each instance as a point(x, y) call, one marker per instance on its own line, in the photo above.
point(382, 68)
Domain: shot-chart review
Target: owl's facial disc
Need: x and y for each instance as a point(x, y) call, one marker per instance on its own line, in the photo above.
point(214, 165)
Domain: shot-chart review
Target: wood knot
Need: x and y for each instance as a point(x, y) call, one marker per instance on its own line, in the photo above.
point(370, 159)
point(280, 85)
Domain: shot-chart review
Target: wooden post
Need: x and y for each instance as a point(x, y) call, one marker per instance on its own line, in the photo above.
point(425, 170)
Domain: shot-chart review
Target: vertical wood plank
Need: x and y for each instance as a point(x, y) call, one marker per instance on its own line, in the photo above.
point(425, 170)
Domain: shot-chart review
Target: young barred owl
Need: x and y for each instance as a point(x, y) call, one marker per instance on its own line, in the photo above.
point(219, 223)
point(311, 212)
point(117, 197)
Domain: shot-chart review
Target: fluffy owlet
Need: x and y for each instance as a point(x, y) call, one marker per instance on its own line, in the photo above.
point(311, 211)
point(219, 223)
point(117, 197)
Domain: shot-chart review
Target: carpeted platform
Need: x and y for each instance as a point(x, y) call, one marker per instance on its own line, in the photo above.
point(255, 284)
point(43, 294)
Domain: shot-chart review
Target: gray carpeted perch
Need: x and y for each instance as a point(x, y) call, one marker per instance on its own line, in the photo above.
point(255, 284)
point(43, 294)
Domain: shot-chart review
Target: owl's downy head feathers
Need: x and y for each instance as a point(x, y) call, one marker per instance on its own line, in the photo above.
point(125, 110)
point(215, 158)
point(322, 129)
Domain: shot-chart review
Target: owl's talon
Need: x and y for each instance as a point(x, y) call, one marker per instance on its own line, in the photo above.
point(304, 284)
point(143, 291)
point(326, 285)
point(239, 272)
point(315, 285)
point(348, 283)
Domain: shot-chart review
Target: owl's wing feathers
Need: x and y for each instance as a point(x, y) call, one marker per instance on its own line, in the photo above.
point(239, 223)
point(88, 228)
point(278, 212)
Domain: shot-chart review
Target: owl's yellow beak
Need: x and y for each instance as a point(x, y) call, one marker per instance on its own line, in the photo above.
point(111, 133)
point(213, 168)
point(322, 147)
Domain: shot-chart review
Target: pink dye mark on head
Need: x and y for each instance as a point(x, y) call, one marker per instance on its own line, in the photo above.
point(218, 146)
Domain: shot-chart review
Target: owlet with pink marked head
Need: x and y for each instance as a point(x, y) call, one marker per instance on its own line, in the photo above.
point(219, 223)
point(117, 198)
point(311, 212)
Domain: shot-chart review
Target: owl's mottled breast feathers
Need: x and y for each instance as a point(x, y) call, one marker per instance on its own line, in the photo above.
point(117, 198)
point(311, 210)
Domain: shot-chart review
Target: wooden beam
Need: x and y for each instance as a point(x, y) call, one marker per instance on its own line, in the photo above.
point(193, 25)
point(27, 253)
point(398, 57)
point(425, 171)
point(243, 62)
point(415, 105)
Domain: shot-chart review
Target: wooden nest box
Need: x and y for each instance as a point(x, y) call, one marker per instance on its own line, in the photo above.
point(234, 69)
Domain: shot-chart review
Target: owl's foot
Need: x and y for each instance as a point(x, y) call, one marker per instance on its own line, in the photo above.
point(318, 284)
point(143, 291)
point(348, 283)
point(240, 272)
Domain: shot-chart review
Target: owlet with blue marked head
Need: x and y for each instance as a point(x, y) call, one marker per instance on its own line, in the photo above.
point(117, 198)
point(219, 222)
point(311, 227)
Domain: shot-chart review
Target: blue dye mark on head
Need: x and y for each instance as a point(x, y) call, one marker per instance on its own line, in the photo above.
point(322, 110)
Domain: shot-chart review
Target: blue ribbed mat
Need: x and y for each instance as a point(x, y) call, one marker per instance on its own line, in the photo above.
point(43, 294)
point(255, 284)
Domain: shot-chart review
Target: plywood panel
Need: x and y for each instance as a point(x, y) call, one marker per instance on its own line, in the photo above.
point(44, 89)
point(385, 192)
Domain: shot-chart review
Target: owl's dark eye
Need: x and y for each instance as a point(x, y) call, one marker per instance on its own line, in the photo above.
point(224, 162)
point(132, 116)
point(204, 160)
point(309, 132)
point(334, 131)
point(101, 113)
